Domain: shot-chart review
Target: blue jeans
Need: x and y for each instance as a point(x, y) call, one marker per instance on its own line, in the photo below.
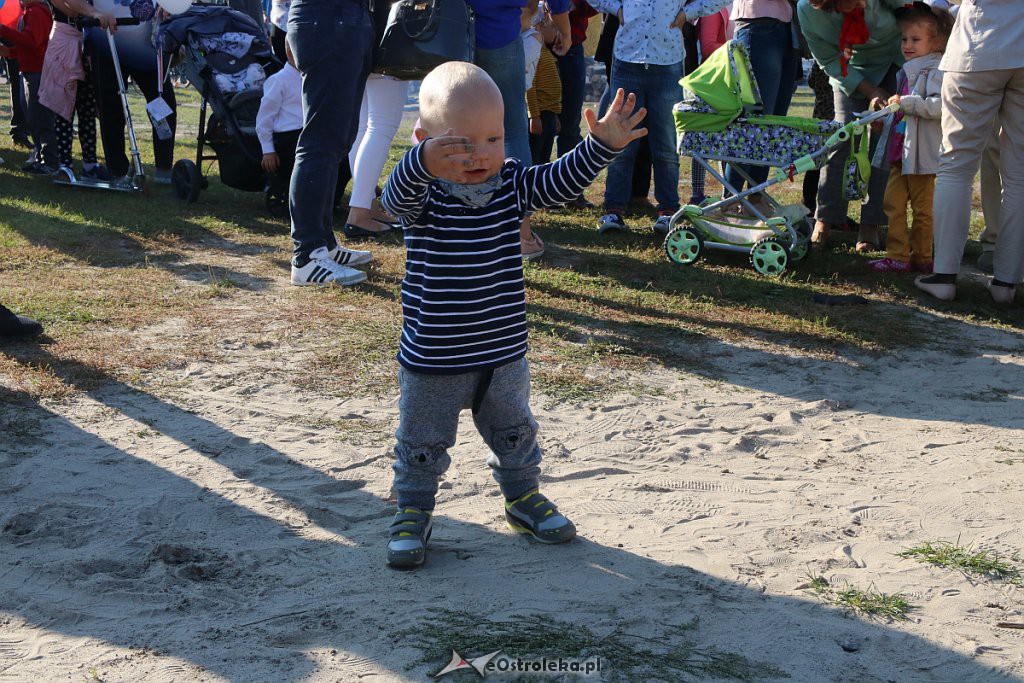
point(507, 68)
point(773, 59)
point(332, 41)
point(572, 69)
point(656, 87)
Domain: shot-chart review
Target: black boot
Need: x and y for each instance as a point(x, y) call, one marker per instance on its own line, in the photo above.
point(12, 325)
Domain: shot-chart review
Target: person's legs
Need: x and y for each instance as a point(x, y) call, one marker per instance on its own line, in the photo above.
point(285, 143)
point(108, 103)
point(549, 127)
point(19, 107)
point(85, 107)
point(922, 199)
point(572, 70)
point(506, 424)
point(163, 150)
point(641, 179)
point(897, 193)
point(970, 104)
point(507, 68)
point(663, 91)
point(618, 188)
point(384, 101)
point(65, 133)
point(41, 121)
point(428, 420)
point(332, 47)
point(1008, 262)
point(991, 193)
point(773, 61)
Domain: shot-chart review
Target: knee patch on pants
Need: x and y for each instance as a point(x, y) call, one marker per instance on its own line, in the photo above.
point(432, 458)
point(509, 441)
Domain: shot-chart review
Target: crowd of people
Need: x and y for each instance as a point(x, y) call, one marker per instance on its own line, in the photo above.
point(326, 120)
point(463, 195)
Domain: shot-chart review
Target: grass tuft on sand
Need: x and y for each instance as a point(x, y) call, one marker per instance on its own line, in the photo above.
point(951, 555)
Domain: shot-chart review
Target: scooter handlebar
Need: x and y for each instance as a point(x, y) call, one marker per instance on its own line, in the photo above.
point(89, 22)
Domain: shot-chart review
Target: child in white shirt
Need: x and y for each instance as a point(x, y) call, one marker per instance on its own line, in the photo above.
point(279, 120)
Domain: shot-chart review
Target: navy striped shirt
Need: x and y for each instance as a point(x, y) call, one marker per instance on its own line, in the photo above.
point(463, 296)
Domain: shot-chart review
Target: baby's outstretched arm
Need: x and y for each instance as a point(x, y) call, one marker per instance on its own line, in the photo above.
point(562, 181)
point(445, 157)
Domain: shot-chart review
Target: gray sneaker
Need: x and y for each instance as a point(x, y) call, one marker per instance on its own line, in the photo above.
point(410, 534)
point(663, 225)
point(537, 516)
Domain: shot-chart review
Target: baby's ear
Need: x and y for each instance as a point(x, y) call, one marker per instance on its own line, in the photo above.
point(420, 134)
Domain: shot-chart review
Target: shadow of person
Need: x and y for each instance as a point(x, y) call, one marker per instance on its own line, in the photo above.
point(975, 382)
point(170, 547)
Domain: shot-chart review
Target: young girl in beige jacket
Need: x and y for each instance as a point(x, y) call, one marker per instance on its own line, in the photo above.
point(916, 140)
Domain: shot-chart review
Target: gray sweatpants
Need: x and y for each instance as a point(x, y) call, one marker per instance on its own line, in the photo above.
point(832, 201)
point(429, 408)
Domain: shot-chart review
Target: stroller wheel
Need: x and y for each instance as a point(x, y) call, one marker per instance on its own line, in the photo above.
point(769, 256)
point(684, 245)
point(186, 180)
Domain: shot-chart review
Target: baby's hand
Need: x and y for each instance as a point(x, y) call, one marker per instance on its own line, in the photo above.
point(618, 127)
point(448, 156)
point(895, 99)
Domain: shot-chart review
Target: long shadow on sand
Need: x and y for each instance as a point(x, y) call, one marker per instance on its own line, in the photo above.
point(100, 544)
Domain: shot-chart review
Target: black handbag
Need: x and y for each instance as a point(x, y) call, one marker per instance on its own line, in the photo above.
point(423, 34)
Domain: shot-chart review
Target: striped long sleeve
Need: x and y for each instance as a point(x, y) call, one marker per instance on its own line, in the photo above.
point(463, 294)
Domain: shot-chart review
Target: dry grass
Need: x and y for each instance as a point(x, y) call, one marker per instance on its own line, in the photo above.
point(126, 285)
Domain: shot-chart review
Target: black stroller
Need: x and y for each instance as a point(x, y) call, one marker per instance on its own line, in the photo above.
point(226, 57)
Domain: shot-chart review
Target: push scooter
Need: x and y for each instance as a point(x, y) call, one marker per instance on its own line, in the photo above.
point(135, 181)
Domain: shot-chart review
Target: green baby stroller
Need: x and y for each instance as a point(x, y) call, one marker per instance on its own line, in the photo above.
point(720, 121)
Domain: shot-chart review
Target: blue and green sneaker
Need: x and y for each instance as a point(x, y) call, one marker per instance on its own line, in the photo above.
point(410, 533)
point(534, 514)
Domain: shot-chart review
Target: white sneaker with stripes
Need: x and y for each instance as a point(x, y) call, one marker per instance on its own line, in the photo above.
point(350, 257)
point(322, 270)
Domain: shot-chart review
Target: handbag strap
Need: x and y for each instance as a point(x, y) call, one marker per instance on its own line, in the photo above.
point(428, 25)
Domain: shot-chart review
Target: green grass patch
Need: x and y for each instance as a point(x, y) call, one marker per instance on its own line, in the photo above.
point(979, 563)
point(870, 602)
point(671, 656)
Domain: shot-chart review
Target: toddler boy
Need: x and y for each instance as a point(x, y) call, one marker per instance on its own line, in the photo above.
point(464, 332)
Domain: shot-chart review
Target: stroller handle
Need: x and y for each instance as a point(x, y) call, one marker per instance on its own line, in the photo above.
point(90, 22)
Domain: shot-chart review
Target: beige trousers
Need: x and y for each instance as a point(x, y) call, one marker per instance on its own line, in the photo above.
point(991, 190)
point(970, 104)
point(909, 243)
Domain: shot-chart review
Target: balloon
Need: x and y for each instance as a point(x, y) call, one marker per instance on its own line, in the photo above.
point(174, 6)
point(10, 12)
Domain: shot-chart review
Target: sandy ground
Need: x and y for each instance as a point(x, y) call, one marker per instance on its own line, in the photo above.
point(204, 530)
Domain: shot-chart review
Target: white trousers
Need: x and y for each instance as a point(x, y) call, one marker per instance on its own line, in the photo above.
point(379, 118)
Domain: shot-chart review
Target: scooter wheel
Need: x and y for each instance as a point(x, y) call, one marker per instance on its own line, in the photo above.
point(186, 180)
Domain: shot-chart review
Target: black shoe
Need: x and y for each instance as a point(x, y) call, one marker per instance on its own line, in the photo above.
point(354, 232)
point(581, 202)
point(13, 326)
point(40, 170)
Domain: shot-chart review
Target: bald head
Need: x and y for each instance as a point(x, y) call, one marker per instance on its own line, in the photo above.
point(456, 89)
